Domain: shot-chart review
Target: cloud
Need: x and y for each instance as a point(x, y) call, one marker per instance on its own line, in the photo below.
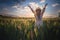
point(25, 11)
point(35, 5)
point(42, 1)
point(22, 11)
point(17, 6)
point(54, 5)
point(5, 11)
point(9, 3)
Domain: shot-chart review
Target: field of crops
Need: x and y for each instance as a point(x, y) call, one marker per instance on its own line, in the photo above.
point(23, 29)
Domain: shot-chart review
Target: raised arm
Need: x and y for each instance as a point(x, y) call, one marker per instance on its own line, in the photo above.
point(31, 9)
point(43, 10)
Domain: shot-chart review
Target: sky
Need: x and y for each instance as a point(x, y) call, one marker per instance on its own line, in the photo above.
point(19, 8)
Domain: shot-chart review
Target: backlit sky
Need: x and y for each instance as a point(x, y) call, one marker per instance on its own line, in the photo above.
point(19, 7)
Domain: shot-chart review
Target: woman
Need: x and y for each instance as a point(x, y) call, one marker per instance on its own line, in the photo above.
point(38, 13)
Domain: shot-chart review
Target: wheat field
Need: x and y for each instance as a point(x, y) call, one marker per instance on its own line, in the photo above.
point(23, 29)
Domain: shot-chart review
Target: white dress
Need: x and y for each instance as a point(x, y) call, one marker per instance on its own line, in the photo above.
point(38, 21)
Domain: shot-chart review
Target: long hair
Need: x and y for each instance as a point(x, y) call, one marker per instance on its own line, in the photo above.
point(38, 12)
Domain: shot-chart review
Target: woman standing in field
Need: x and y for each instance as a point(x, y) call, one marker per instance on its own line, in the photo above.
point(38, 13)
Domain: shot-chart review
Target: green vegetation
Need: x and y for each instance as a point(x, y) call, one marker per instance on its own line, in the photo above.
point(23, 29)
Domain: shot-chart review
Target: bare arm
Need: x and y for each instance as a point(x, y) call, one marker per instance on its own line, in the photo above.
point(31, 9)
point(44, 9)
